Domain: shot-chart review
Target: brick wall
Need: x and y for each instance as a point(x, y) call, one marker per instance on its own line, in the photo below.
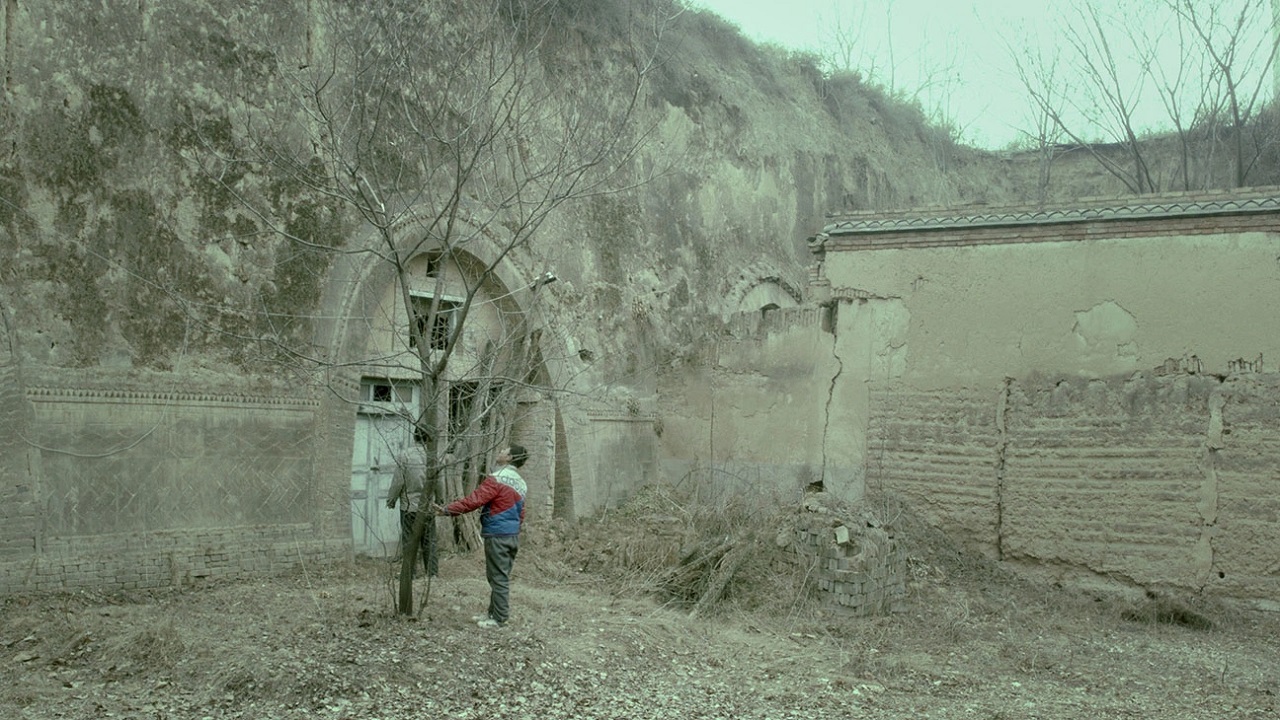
point(1021, 235)
point(1216, 213)
point(145, 481)
point(170, 558)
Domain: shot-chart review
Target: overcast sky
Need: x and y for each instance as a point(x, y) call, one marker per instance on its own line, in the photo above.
point(958, 50)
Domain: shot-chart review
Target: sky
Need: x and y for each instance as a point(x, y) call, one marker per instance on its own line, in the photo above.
point(954, 55)
point(955, 49)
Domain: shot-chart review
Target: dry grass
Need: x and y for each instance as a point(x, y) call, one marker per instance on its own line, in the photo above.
point(599, 632)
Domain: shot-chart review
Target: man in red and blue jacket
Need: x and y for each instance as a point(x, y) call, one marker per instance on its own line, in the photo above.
point(500, 499)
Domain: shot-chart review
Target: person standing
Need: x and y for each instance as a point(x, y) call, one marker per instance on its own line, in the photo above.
point(408, 486)
point(500, 498)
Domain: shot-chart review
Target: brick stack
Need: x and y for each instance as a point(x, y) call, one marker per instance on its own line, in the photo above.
point(857, 563)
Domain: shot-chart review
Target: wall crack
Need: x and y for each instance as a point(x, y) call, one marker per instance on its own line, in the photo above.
point(1002, 448)
point(831, 394)
point(1207, 506)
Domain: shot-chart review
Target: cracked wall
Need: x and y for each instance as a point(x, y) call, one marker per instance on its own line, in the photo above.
point(1095, 410)
point(1150, 481)
point(783, 402)
point(746, 412)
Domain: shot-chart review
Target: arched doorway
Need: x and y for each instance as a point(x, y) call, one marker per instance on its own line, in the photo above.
point(491, 393)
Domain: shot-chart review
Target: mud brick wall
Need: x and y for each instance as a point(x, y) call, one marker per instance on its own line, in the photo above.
point(1108, 475)
point(1241, 495)
point(1153, 480)
point(938, 449)
point(861, 569)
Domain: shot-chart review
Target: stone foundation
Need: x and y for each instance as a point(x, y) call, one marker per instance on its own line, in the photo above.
point(170, 558)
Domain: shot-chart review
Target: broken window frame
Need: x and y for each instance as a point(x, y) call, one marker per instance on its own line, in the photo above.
point(444, 322)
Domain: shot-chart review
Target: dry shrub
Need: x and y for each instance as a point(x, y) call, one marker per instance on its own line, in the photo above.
point(53, 634)
point(706, 552)
point(151, 649)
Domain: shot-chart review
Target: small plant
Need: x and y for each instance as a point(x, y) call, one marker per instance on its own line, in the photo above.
point(1167, 611)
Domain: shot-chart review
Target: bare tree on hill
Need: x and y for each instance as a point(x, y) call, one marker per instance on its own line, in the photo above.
point(1040, 75)
point(1206, 64)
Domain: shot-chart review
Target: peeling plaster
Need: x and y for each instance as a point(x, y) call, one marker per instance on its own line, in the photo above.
point(890, 325)
point(1107, 328)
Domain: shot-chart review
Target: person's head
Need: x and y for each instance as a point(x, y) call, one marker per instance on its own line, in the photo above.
point(513, 455)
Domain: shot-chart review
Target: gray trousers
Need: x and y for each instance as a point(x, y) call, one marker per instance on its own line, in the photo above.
point(499, 556)
point(426, 547)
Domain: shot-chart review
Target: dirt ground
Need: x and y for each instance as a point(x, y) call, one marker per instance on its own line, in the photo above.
point(972, 641)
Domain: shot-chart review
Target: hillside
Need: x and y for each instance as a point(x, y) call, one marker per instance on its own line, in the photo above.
point(116, 211)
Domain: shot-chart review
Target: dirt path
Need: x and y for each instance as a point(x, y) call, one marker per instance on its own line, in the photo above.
point(326, 646)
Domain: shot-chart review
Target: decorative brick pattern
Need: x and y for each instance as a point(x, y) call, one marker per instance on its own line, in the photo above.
point(141, 461)
point(1163, 205)
point(123, 485)
point(19, 518)
point(1174, 214)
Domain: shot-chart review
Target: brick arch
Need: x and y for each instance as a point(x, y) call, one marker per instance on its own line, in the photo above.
point(759, 287)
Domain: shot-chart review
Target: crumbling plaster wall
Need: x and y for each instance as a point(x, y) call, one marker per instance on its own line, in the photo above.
point(750, 413)
point(1092, 309)
point(1094, 408)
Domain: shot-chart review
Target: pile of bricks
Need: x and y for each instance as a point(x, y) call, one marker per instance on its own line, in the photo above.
point(858, 564)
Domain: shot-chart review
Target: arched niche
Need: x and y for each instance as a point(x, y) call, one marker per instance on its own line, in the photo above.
point(765, 297)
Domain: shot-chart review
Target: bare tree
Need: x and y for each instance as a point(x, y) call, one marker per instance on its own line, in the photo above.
point(1205, 63)
point(844, 46)
point(447, 130)
point(923, 78)
point(858, 41)
point(1112, 96)
point(1040, 76)
point(1241, 49)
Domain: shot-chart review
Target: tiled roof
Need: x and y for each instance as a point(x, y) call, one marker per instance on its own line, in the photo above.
point(1155, 207)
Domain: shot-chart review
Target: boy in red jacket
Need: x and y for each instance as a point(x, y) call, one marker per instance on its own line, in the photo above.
point(500, 497)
